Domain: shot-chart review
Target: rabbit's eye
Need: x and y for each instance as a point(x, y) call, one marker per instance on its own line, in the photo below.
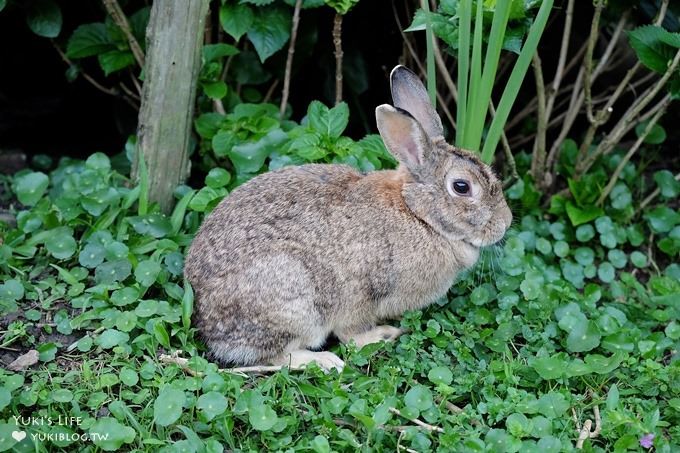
point(461, 187)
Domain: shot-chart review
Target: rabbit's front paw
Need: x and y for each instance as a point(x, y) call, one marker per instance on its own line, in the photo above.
point(300, 358)
point(375, 335)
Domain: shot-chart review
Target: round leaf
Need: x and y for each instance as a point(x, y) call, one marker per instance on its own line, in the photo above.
point(168, 406)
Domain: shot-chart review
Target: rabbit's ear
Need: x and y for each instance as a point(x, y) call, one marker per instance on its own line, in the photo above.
point(409, 93)
point(402, 135)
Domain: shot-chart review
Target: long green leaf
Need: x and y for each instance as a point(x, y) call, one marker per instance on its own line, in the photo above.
point(429, 35)
point(475, 77)
point(493, 53)
point(143, 205)
point(465, 18)
point(515, 81)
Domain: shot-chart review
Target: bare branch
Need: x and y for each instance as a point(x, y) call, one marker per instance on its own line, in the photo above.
point(633, 149)
point(418, 422)
point(337, 42)
point(559, 72)
point(538, 157)
point(289, 58)
point(116, 13)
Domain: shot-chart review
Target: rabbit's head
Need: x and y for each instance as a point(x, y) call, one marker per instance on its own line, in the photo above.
point(450, 189)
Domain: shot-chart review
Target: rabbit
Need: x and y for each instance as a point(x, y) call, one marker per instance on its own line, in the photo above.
point(296, 254)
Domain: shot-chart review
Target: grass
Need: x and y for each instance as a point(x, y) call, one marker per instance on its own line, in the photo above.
point(556, 322)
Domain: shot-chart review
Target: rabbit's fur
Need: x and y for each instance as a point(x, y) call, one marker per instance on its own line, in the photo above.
point(298, 253)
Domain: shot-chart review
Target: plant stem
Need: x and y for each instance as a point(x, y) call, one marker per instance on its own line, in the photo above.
point(515, 81)
point(429, 36)
point(465, 15)
point(633, 149)
point(652, 196)
point(538, 157)
point(289, 58)
point(116, 13)
point(474, 81)
point(337, 42)
point(624, 124)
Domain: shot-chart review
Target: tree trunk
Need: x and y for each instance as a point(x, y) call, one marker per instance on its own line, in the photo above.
point(174, 41)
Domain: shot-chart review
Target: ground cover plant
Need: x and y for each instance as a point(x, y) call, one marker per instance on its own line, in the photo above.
point(564, 336)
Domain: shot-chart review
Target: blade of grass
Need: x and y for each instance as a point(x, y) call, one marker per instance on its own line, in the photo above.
point(475, 76)
point(429, 36)
point(493, 52)
point(465, 18)
point(515, 80)
point(143, 205)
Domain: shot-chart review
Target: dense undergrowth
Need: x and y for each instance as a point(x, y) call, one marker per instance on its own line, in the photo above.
point(556, 322)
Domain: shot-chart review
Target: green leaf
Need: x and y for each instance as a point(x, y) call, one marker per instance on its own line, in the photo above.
point(204, 198)
point(212, 52)
point(320, 444)
point(215, 90)
point(667, 184)
point(5, 397)
point(88, 40)
point(262, 417)
point(161, 334)
point(583, 336)
point(612, 397)
point(606, 272)
point(250, 157)
point(125, 296)
point(3, 3)
point(212, 404)
point(270, 31)
point(552, 405)
point(168, 406)
point(147, 271)
point(328, 122)
point(11, 290)
point(440, 375)
point(115, 60)
point(61, 243)
point(217, 177)
point(549, 367)
point(662, 219)
point(109, 434)
point(31, 187)
point(236, 19)
point(656, 135)
point(583, 214)
point(111, 338)
point(44, 18)
point(419, 398)
point(47, 352)
point(341, 6)
point(113, 271)
point(654, 46)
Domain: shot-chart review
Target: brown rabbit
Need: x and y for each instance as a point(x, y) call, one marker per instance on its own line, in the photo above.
point(298, 253)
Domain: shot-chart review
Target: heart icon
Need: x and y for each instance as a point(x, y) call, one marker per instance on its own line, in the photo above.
point(19, 435)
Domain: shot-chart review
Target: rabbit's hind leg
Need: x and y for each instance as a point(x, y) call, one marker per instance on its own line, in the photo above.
point(374, 335)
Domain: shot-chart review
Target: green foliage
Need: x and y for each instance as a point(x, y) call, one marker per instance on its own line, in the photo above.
point(453, 24)
point(252, 139)
point(561, 316)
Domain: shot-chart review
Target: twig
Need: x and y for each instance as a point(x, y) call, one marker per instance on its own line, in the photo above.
point(578, 95)
point(445, 72)
point(184, 364)
point(633, 149)
point(337, 42)
point(624, 124)
point(119, 18)
point(92, 81)
point(585, 432)
point(559, 72)
point(648, 199)
point(418, 422)
point(270, 92)
point(588, 61)
point(506, 146)
point(289, 58)
point(538, 158)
